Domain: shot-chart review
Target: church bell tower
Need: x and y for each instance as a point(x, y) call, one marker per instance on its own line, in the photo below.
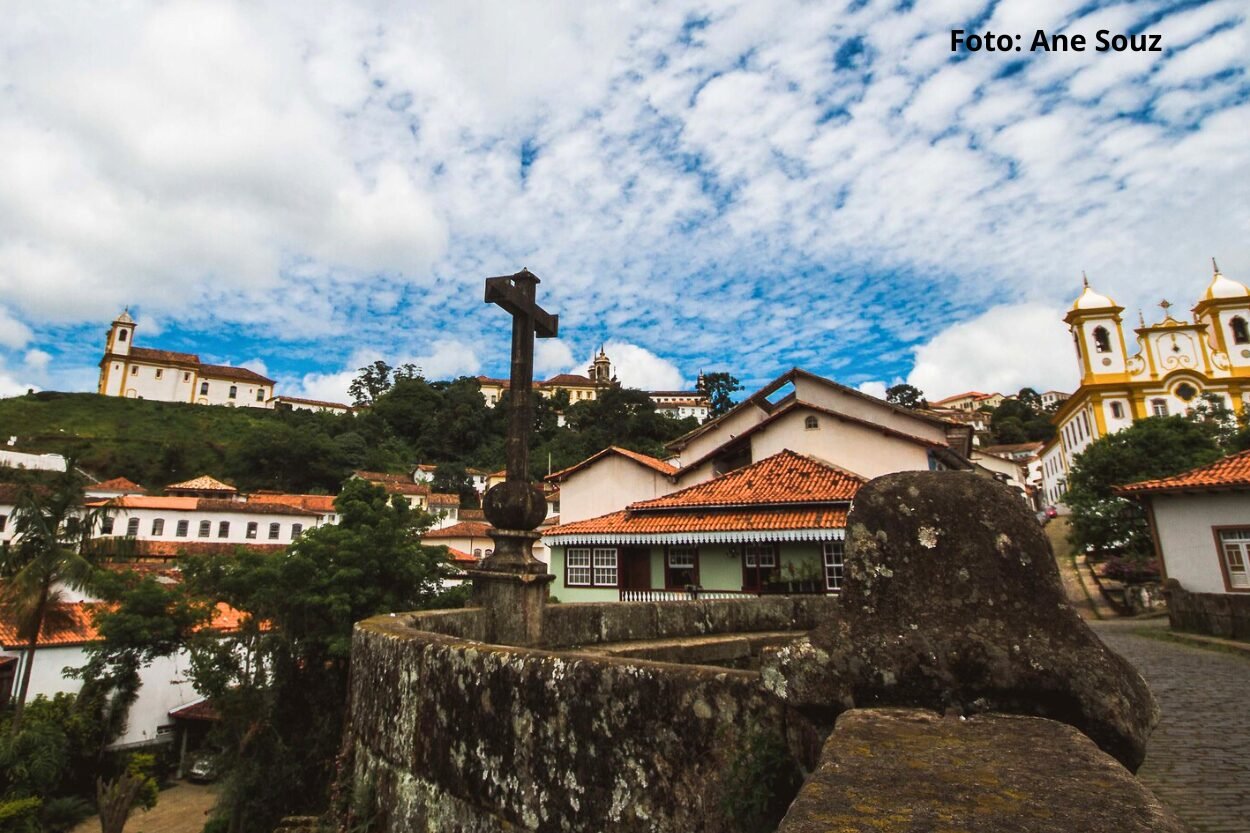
point(1098, 336)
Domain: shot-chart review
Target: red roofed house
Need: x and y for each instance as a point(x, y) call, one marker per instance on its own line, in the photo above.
point(69, 628)
point(1200, 522)
point(167, 376)
point(799, 419)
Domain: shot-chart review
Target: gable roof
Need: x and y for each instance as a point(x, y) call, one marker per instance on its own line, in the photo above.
point(570, 379)
point(759, 400)
point(321, 504)
point(464, 529)
point(203, 483)
point(163, 356)
point(785, 478)
point(73, 623)
point(1231, 472)
point(787, 496)
point(638, 457)
point(118, 484)
point(240, 374)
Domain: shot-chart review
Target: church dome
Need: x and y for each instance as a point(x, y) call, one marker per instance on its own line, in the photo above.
point(1222, 287)
point(1092, 300)
point(125, 318)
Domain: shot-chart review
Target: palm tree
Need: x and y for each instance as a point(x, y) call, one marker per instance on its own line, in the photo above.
point(48, 553)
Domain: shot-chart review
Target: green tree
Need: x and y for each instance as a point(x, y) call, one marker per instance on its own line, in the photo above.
point(720, 387)
point(279, 681)
point(49, 552)
point(1148, 449)
point(1021, 419)
point(906, 396)
point(373, 380)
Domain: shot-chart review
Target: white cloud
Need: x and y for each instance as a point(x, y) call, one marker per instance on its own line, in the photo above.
point(551, 356)
point(13, 333)
point(638, 367)
point(37, 360)
point(876, 389)
point(1003, 349)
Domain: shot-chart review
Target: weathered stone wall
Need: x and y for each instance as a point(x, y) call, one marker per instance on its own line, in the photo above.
point(449, 734)
point(1225, 615)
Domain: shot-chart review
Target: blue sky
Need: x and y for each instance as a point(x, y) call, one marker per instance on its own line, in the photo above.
point(305, 187)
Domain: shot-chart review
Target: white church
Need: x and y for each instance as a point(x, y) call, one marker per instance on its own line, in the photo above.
point(143, 373)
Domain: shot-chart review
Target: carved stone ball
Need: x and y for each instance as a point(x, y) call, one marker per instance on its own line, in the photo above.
point(514, 505)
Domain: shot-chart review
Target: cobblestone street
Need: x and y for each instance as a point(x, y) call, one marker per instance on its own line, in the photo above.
point(1198, 759)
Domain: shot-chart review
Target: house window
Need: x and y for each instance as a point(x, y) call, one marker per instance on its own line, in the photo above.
point(203, 388)
point(1159, 407)
point(186, 377)
point(132, 527)
point(1117, 410)
point(206, 528)
point(252, 528)
point(681, 567)
point(223, 529)
point(274, 529)
point(834, 557)
point(183, 527)
point(234, 392)
point(260, 394)
point(134, 371)
point(587, 567)
point(106, 526)
point(811, 422)
point(1241, 335)
point(158, 526)
point(159, 372)
point(4, 519)
point(1235, 549)
point(759, 565)
point(296, 531)
point(1102, 341)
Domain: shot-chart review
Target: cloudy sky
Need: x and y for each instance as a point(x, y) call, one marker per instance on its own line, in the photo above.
point(304, 187)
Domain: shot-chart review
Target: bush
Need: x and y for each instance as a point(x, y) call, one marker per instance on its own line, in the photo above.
point(1131, 570)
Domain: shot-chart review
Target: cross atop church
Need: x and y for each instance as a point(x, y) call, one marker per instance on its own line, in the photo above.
point(1166, 306)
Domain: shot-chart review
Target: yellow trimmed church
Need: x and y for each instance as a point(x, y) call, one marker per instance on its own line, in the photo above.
point(1175, 367)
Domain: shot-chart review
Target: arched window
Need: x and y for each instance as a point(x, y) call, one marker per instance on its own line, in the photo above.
point(121, 334)
point(1102, 340)
point(811, 422)
point(1241, 335)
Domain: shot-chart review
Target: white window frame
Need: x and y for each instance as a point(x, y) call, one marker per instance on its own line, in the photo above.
point(1235, 557)
point(158, 527)
point(578, 570)
point(682, 556)
point(132, 527)
point(606, 572)
point(1158, 407)
point(764, 554)
point(275, 530)
point(833, 556)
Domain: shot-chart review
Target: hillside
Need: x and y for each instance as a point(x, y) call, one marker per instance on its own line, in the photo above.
point(155, 443)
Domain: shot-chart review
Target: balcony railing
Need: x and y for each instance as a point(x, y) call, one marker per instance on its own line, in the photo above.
point(682, 595)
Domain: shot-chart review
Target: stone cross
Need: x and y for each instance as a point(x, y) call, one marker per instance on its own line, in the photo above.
point(515, 507)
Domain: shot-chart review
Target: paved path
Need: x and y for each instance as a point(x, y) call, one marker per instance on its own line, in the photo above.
point(183, 808)
point(1198, 759)
point(1081, 594)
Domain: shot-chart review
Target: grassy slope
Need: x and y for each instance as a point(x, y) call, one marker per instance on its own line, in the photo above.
point(152, 443)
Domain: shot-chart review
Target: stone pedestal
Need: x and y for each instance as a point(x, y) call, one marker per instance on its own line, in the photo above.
point(513, 603)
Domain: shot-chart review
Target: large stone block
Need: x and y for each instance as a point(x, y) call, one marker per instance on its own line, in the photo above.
point(906, 771)
point(952, 601)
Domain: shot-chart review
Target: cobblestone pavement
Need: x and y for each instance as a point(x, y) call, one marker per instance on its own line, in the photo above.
point(183, 808)
point(1198, 759)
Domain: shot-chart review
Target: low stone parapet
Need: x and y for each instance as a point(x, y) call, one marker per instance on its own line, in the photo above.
point(906, 770)
point(1225, 615)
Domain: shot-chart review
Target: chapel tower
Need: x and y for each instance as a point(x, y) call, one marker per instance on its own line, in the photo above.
point(1224, 310)
point(1098, 335)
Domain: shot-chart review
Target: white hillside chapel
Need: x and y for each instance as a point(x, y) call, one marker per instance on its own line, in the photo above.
point(166, 376)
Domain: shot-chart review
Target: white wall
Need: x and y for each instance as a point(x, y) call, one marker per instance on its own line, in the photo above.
point(236, 533)
point(611, 483)
point(166, 384)
point(164, 685)
point(247, 394)
point(21, 460)
point(1184, 524)
point(857, 448)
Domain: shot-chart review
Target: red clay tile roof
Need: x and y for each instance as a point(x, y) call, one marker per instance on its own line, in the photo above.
point(395, 484)
point(163, 356)
point(1231, 472)
point(438, 499)
point(249, 508)
point(464, 529)
point(457, 555)
point(382, 477)
point(147, 548)
point(743, 520)
point(638, 457)
point(72, 623)
point(118, 484)
point(177, 504)
point(569, 379)
point(784, 478)
point(199, 710)
point(240, 374)
point(203, 483)
point(472, 515)
point(321, 504)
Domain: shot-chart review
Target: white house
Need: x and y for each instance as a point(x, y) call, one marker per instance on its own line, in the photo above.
point(12, 459)
point(167, 376)
point(293, 403)
point(164, 684)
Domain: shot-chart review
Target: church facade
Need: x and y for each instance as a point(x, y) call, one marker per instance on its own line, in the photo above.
point(599, 375)
point(143, 373)
point(1176, 366)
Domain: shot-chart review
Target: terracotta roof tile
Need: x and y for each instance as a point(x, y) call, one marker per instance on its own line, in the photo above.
point(118, 484)
point(249, 508)
point(458, 556)
point(199, 710)
point(472, 515)
point(240, 374)
point(1231, 472)
point(439, 499)
point(638, 457)
point(72, 623)
point(203, 483)
point(321, 504)
point(569, 380)
point(784, 478)
point(712, 520)
point(163, 356)
point(464, 529)
point(177, 547)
